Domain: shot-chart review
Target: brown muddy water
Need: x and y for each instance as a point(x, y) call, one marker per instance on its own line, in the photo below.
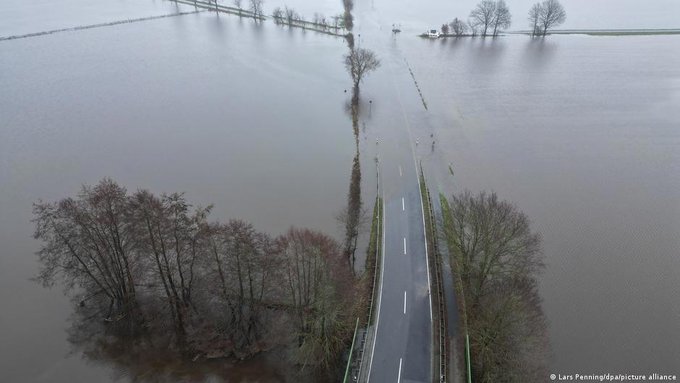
point(583, 133)
point(245, 116)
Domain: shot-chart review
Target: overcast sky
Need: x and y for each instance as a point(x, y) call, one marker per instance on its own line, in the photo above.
point(596, 13)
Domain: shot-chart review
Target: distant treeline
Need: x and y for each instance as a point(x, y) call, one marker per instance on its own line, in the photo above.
point(156, 270)
point(491, 17)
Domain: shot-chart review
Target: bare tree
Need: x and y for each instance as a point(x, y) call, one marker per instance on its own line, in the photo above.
point(534, 19)
point(336, 21)
point(166, 236)
point(445, 29)
point(277, 15)
point(243, 262)
point(552, 15)
point(360, 62)
point(352, 217)
point(497, 258)
point(147, 263)
point(347, 18)
point(290, 15)
point(473, 27)
point(238, 4)
point(256, 8)
point(89, 243)
point(458, 27)
point(321, 293)
point(483, 15)
point(502, 17)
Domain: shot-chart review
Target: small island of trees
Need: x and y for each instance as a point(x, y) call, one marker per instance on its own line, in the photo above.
point(155, 273)
point(492, 17)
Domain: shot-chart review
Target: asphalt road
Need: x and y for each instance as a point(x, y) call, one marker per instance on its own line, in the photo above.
point(403, 345)
point(404, 334)
point(402, 349)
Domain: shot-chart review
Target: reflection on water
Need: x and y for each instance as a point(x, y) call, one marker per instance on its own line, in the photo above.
point(581, 132)
point(218, 108)
point(136, 361)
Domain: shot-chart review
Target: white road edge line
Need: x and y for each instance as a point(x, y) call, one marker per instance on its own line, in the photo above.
point(400, 173)
point(403, 205)
point(399, 376)
point(382, 273)
point(404, 245)
point(404, 302)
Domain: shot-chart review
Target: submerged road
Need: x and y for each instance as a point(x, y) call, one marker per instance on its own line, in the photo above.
point(403, 344)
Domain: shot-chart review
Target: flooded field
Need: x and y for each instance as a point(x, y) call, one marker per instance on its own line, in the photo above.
point(216, 107)
point(581, 132)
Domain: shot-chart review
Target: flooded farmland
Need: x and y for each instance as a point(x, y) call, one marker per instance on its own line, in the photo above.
point(581, 132)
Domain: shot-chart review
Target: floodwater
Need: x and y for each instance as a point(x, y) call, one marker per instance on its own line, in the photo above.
point(216, 107)
point(582, 133)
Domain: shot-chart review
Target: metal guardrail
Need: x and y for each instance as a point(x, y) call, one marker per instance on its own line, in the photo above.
point(367, 336)
point(439, 287)
point(461, 304)
point(351, 350)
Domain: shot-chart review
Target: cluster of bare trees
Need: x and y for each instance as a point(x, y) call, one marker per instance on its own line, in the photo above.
point(290, 17)
point(255, 7)
point(141, 264)
point(546, 15)
point(496, 258)
point(490, 17)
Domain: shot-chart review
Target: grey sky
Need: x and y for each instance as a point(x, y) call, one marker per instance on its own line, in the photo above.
point(595, 13)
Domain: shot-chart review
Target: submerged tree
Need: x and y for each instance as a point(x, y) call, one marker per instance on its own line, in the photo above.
point(238, 4)
point(473, 27)
point(143, 264)
point(277, 15)
point(347, 18)
point(243, 262)
point(256, 8)
point(88, 242)
point(290, 15)
point(502, 18)
point(167, 236)
point(458, 27)
point(351, 217)
point(360, 62)
point(551, 15)
point(483, 15)
point(534, 19)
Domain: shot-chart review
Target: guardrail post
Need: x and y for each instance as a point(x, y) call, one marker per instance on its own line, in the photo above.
point(351, 351)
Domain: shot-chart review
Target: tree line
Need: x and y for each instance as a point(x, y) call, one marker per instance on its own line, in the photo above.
point(155, 269)
point(491, 17)
point(496, 259)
